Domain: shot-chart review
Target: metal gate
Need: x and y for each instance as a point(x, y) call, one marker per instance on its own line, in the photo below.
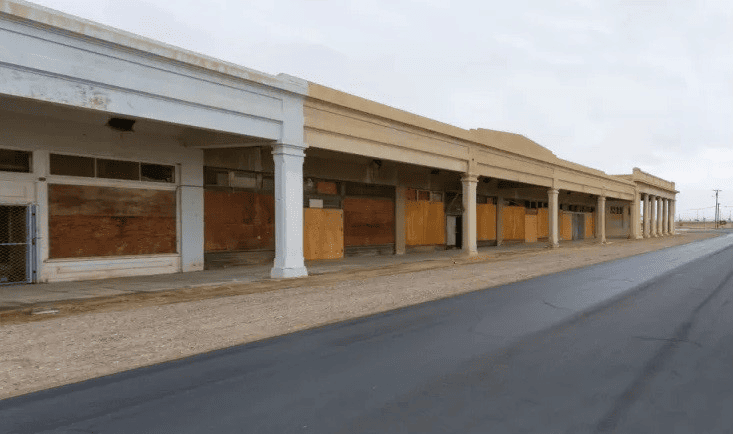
point(17, 242)
point(578, 226)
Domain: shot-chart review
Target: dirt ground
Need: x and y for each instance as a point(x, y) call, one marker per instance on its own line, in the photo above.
point(99, 337)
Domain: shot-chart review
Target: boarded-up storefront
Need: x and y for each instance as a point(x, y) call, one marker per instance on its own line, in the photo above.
point(485, 222)
point(323, 233)
point(543, 223)
point(238, 220)
point(530, 226)
point(513, 223)
point(424, 218)
point(369, 219)
point(566, 225)
point(91, 221)
point(590, 225)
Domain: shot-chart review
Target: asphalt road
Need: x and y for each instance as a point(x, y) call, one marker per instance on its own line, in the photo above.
point(640, 345)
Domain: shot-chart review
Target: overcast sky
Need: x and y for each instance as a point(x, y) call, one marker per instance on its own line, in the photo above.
point(609, 84)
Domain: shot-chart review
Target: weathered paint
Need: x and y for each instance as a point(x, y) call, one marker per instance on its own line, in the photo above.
point(323, 233)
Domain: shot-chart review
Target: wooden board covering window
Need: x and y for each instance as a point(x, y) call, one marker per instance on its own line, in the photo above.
point(530, 228)
point(323, 233)
point(513, 223)
point(424, 223)
point(368, 221)
point(89, 221)
point(543, 223)
point(239, 220)
point(485, 221)
point(590, 226)
point(566, 225)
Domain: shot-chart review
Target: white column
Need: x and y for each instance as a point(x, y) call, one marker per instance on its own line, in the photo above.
point(659, 216)
point(672, 229)
point(665, 213)
point(647, 216)
point(191, 217)
point(652, 216)
point(552, 215)
point(601, 223)
point(469, 214)
point(288, 211)
point(635, 223)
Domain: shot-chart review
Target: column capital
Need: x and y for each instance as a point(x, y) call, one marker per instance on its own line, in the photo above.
point(554, 191)
point(469, 177)
point(289, 149)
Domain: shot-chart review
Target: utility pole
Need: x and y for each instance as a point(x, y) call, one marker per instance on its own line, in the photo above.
point(717, 208)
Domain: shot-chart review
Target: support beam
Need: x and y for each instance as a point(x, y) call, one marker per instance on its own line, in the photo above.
point(672, 228)
point(289, 260)
point(659, 216)
point(665, 214)
point(601, 223)
point(647, 216)
point(635, 214)
point(552, 214)
point(469, 182)
point(653, 216)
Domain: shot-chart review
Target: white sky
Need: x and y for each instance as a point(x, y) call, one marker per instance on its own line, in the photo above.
point(610, 84)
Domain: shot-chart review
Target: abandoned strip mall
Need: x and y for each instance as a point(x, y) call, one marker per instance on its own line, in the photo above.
point(123, 156)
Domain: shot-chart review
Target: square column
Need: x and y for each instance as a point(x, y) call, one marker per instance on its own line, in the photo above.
point(469, 214)
point(552, 214)
point(659, 216)
point(665, 213)
point(647, 216)
point(289, 260)
point(601, 223)
point(652, 216)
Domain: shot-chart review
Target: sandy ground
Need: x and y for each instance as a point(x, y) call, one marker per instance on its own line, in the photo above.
point(101, 337)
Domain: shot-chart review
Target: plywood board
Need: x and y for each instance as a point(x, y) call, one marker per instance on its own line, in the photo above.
point(485, 221)
point(530, 228)
point(323, 233)
point(513, 222)
point(566, 225)
point(89, 221)
point(424, 223)
point(368, 221)
point(238, 221)
point(543, 223)
point(590, 227)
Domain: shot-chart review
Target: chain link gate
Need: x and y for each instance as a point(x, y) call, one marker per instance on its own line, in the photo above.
point(17, 242)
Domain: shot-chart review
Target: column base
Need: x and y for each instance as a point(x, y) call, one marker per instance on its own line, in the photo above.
point(469, 253)
point(288, 273)
point(553, 245)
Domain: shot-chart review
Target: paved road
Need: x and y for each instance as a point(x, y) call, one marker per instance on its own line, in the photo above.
point(640, 345)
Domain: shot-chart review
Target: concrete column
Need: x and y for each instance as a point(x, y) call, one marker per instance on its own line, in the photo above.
point(552, 214)
point(399, 220)
point(635, 222)
point(672, 229)
point(647, 216)
point(659, 216)
point(601, 222)
point(191, 218)
point(652, 216)
point(288, 211)
point(665, 214)
point(499, 220)
point(469, 214)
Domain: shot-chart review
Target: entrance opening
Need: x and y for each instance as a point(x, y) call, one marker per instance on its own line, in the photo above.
point(16, 241)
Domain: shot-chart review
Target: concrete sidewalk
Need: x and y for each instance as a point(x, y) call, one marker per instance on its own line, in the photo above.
point(15, 297)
